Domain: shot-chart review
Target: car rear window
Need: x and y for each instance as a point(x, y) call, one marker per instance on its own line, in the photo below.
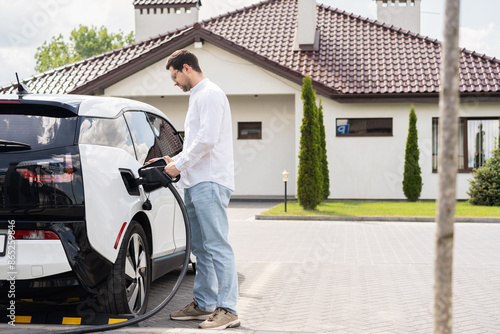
point(39, 132)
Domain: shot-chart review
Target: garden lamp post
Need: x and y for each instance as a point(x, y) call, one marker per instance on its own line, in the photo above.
point(285, 180)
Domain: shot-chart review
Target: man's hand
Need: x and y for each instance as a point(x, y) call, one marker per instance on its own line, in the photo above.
point(170, 168)
point(151, 160)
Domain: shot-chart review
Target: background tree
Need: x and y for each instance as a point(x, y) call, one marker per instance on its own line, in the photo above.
point(84, 42)
point(412, 179)
point(52, 54)
point(324, 159)
point(484, 187)
point(309, 181)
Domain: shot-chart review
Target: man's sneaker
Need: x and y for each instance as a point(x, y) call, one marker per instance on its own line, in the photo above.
point(190, 312)
point(220, 319)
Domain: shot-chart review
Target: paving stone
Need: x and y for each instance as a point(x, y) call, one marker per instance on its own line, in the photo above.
point(345, 277)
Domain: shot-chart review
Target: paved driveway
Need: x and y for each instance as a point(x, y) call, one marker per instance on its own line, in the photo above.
point(348, 277)
point(367, 277)
point(358, 277)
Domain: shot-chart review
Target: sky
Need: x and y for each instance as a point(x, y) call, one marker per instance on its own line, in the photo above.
point(26, 24)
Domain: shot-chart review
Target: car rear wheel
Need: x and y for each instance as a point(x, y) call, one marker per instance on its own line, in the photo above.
point(128, 285)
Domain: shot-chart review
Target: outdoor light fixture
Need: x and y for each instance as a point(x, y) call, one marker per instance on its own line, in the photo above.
point(285, 180)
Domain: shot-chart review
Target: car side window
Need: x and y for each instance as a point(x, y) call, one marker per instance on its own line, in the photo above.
point(168, 139)
point(145, 143)
point(106, 132)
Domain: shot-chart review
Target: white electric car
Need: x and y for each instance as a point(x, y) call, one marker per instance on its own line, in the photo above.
point(68, 166)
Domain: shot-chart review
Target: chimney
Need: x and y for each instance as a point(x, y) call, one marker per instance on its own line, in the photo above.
point(307, 38)
point(158, 17)
point(400, 13)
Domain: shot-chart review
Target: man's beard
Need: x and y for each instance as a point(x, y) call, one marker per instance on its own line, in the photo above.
point(187, 87)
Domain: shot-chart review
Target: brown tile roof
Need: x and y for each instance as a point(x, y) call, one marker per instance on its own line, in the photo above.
point(358, 57)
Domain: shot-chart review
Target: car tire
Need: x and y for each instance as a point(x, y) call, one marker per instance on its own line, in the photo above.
point(129, 283)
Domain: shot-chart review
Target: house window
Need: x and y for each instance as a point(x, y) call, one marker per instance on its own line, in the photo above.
point(249, 130)
point(477, 137)
point(364, 127)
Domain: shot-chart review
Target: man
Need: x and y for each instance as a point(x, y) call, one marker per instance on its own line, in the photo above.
point(207, 168)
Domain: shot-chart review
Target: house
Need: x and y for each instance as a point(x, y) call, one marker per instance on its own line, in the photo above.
point(367, 74)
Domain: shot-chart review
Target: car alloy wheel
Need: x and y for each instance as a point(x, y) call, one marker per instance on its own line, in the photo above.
point(127, 290)
point(136, 273)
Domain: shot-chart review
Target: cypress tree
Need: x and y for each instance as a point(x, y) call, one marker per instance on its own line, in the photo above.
point(324, 159)
point(479, 156)
point(412, 179)
point(309, 188)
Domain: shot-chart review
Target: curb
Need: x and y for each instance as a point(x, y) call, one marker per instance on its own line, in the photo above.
point(378, 219)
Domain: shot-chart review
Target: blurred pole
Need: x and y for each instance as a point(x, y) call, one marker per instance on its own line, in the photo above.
point(285, 195)
point(447, 168)
point(285, 181)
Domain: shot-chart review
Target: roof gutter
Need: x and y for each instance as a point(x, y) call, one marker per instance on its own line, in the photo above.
point(413, 98)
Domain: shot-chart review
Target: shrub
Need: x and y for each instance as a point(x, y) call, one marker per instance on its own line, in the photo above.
point(484, 186)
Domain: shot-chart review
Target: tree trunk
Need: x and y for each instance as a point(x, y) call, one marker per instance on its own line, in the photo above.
point(447, 168)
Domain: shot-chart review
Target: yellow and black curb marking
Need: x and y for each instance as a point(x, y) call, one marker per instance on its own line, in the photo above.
point(56, 318)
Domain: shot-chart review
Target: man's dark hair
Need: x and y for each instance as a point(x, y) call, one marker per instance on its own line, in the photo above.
point(181, 57)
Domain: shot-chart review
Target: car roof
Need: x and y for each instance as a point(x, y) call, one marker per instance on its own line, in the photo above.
point(84, 105)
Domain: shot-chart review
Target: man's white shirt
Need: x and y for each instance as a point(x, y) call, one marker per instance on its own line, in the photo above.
point(207, 154)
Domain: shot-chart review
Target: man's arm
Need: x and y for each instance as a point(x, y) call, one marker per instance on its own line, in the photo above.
point(211, 114)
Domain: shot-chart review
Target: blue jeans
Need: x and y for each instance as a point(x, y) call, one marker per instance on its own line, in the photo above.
point(216, 280)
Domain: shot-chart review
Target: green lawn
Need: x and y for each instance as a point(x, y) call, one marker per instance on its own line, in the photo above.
point(360, 208)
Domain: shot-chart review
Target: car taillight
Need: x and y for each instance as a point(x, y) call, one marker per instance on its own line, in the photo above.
point(56, 170)
point(34, 235)
point(9, 102)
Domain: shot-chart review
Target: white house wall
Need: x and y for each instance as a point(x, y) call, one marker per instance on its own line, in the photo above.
point(255, 95)
point(372, 167)
point(233, 74)
point(360, 167)
point(258, 162)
